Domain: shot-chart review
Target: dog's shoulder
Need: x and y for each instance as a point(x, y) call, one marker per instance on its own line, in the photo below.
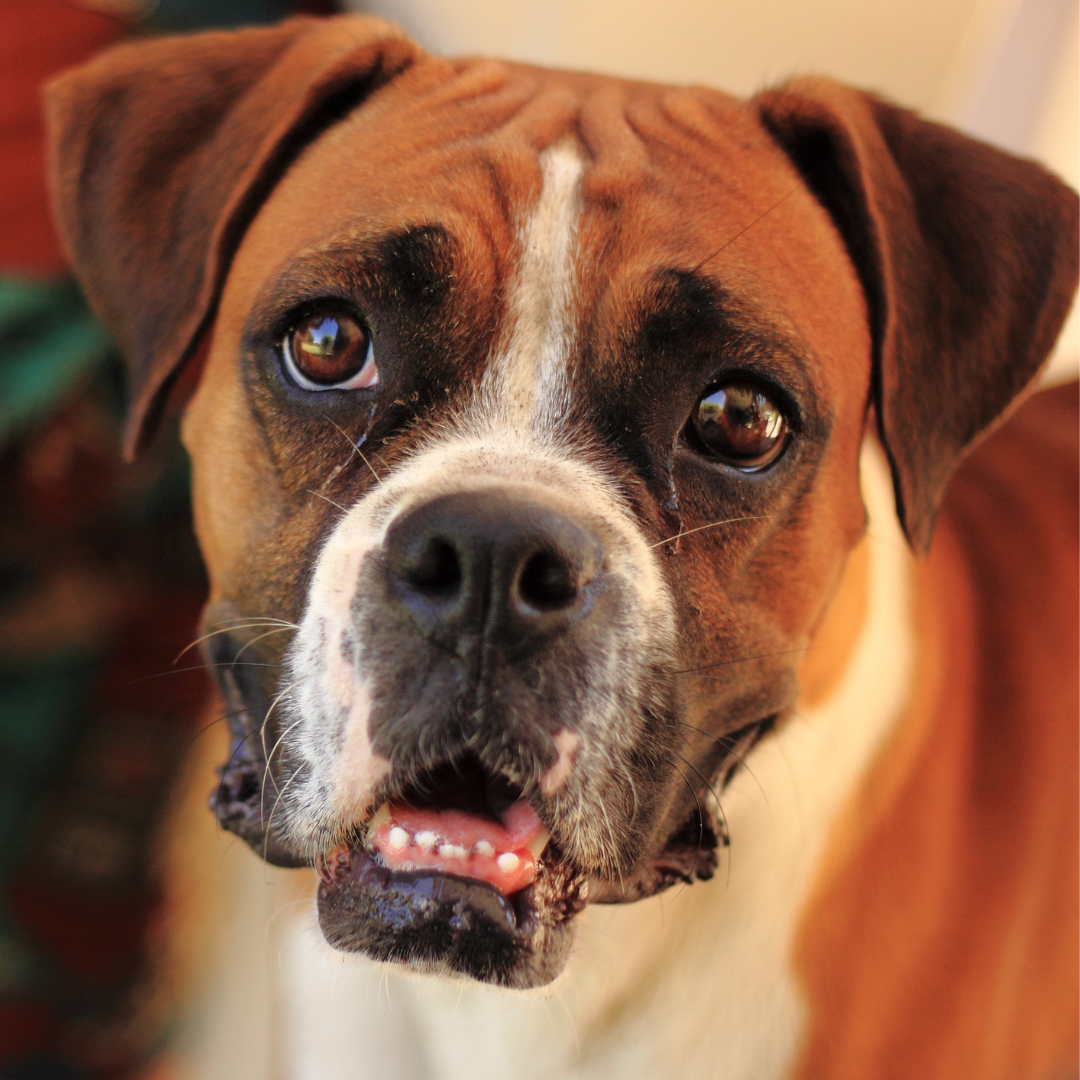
point(1014, 502)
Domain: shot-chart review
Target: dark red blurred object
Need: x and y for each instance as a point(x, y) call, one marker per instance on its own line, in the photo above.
point(38, 39)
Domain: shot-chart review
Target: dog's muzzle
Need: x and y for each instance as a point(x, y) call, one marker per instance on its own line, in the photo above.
point(517, 722)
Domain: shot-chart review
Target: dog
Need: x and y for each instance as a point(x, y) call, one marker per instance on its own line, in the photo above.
point(537, 419)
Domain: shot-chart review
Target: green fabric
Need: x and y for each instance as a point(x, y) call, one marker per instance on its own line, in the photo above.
point(48, 340)
point(175, 15)
point(40, 708)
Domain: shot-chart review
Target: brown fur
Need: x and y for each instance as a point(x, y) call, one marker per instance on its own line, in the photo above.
point(943, 940)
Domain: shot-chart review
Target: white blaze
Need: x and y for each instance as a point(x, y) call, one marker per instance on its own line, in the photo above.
point(525, 383)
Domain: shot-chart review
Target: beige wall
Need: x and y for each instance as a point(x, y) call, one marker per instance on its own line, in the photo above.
point(902, 47)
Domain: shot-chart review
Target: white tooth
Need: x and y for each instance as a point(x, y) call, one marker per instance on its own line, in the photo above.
point(378, 819)
point(398, 839)
point(537, 844)
point(426, 840)
point(452, 851)
point(484, 849)
point(507, 862)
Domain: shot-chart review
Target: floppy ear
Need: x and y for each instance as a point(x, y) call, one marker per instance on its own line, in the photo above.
point(161, 153)
point(967, 255)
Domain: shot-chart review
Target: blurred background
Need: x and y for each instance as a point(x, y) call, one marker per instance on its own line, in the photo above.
point(100, 580)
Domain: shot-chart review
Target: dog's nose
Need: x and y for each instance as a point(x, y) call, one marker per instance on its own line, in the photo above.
point(493, 568)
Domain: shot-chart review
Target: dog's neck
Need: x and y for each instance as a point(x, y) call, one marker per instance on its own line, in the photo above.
point(651, 972)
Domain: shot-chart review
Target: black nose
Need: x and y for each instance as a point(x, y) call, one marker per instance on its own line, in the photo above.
point(493, 568)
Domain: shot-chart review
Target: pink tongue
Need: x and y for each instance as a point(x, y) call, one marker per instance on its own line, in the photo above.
point(455, 842)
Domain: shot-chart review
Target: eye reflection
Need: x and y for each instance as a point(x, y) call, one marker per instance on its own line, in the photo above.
point(330, 350)
point(740, 425)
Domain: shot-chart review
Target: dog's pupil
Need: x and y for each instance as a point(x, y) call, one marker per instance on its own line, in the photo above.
point(329, 347)
point(740, 423)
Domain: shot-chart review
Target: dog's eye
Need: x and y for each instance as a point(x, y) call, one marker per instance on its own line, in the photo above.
point(740, 425)
point(330, 350)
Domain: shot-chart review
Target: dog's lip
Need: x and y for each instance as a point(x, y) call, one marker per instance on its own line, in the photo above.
point(440, 921)
point(690, 853)
point(346, 866)
point(502, 852)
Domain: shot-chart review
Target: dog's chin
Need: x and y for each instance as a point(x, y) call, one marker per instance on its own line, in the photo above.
point(438, 922)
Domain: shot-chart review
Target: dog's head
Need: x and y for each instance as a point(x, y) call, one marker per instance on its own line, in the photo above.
point(526, 434)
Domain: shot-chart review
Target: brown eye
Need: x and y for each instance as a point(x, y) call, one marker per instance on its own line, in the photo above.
point(330, 350)
point(741, 425)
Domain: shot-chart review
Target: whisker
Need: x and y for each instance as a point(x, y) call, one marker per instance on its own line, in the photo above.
point(700, 813)
point(614, 846)
point(712, 525)
point(712, 791)
point(356, 449)
point(194, 667)
point(280, 791)
point(261, 618)
point(265, 721)
point(633, 788)
point(274, 749)
point(729, 745)
point(326, 499)
point(378, 478)
point(235, 626)
point(760, 217)
point(232, 757)
point(276, 630)
point(217, 720)
point(714, 678)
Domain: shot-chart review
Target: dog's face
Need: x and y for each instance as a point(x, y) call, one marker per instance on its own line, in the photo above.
point(526, 454)
point(531, 365)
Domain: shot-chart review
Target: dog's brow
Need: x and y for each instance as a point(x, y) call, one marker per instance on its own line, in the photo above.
point(413, 262)
point(687, 310)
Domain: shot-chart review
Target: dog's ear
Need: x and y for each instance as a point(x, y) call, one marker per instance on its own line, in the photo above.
point(968, 258)
point(162, 151)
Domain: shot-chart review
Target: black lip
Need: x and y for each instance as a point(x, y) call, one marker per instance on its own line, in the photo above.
point(436, 921)
point(241, 801)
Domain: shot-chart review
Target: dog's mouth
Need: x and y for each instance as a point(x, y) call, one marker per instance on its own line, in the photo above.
point(477, 827)
point(456, 873)
point(460, 870)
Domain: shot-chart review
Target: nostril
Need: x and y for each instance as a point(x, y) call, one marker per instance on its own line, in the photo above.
point(435, 569)
point(548, 582)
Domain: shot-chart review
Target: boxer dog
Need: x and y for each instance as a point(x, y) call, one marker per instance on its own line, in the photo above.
point(536, 420)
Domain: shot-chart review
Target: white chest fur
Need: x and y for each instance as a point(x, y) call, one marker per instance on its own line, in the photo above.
point(697, 982)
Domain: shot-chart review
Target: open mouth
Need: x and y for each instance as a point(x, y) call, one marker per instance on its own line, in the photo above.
point(456, 873)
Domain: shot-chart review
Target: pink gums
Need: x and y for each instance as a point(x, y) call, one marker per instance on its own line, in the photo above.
point(456, 842)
